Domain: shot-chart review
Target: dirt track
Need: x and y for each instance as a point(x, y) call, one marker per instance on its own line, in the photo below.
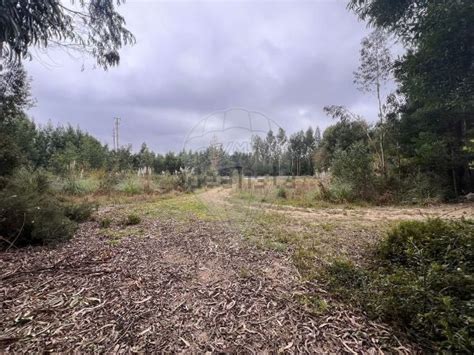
point(368, 215)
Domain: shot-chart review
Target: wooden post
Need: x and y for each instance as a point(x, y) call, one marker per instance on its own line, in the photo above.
point(239, 170)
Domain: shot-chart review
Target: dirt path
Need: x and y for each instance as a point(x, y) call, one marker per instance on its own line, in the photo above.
point(369, 215)
point(191, 287)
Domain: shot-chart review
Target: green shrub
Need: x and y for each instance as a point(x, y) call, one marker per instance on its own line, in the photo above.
point(108, 181)
point(421, 280)
point(132, 219)
point(30, 214)
point(281, 193)
point(340, 191)
point(80, 186)
point(354, 167)
point(131, 186)
point(422, 187)
point(167, 182)
point(80, 212)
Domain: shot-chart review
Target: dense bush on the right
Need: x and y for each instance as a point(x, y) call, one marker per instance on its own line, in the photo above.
point(421, 280)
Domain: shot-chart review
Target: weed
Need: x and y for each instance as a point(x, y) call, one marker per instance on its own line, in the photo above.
point(313, 303)
point(328, 227)
point(245, 273)
point(132, 219)
point(105, 222)
point(130, 186)
point(281, 193)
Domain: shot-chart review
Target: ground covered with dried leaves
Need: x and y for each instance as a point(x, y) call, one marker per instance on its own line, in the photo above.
point(171, 285)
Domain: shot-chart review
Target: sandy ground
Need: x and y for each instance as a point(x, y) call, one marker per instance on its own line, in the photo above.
point(219, 197)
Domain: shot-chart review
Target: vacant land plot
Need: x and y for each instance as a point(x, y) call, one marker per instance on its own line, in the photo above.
point(198, 272)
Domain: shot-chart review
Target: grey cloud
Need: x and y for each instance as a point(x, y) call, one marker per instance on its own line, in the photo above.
point(285, 59)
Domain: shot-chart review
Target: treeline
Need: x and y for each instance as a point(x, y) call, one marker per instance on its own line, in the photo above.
point(65, 149)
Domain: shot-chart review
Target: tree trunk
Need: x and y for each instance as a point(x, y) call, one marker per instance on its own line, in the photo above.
point(382, 152)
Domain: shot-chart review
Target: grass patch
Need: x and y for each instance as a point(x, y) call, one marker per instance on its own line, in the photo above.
point(105, 222)
point(313, 303)
point(182, 207)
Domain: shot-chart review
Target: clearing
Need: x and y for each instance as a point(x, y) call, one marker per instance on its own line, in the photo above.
point(200, 272)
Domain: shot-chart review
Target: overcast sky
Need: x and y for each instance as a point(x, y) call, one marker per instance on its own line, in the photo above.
point(284, 59)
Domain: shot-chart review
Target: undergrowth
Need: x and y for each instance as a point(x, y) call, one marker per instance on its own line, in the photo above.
point(421, 280)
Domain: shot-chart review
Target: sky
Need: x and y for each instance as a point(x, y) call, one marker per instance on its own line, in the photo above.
point(196, 61)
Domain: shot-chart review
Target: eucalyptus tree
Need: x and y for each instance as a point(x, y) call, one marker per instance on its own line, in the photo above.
point(374, 71)
point(436, 75)
point(281, 146)
point(297, 149)
point(317, 136)
point(91, 26)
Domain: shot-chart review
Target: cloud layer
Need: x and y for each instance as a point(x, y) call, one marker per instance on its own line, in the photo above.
point(286, 59)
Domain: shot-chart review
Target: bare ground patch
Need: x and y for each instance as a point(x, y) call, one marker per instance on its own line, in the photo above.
point(192, 287)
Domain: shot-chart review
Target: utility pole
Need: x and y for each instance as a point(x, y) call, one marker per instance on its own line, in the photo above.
point(116, 133)
point(113, 136)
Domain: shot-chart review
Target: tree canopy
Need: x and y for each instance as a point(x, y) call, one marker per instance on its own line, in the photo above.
point(93, 26)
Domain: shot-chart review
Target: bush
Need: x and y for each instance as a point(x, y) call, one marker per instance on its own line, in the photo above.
point(105, 223)
point(108, 181)
point(353, 168)
point(81, 212)
point(423, 187)
point(281, 193)
point(131, 186)
point(340, 191)
point(132, 219)
point(75, 186)
point(421, 280)
point(186, 180)
point(30, 214)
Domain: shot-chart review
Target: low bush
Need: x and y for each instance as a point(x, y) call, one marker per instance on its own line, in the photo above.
point(353, 168)
point(132, 219)
point(80, 212)
point(108, 182)
point(281, 193)
point(105, 223)
point(30, 214)
point(186, 180)
point(77, 186)
point(131, 186)
point(421, 280)
point(340, 191)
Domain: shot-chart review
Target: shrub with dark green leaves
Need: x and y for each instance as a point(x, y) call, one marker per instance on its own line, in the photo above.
point(80, 212)
point(422, 281)
point(30, 214)
point(353, 167)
